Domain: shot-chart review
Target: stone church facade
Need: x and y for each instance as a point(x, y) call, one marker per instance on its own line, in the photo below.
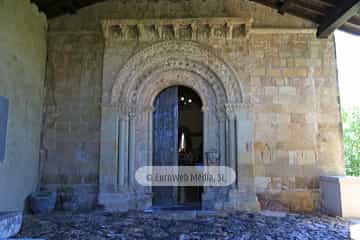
point(268, 86)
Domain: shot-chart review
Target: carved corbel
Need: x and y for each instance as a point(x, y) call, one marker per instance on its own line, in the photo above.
point(194, 28)
point(229, 33)
point(159, 29)
point(212, 30)
point(137, 28)
point(141, 30)
point(105, 29)
point(176, 28)
point(247, 28)
point(125, 30)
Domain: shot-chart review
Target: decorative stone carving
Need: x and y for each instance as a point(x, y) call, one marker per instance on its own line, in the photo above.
point(145, 75)
point(176, 29)
point(212, 158)
point(186, 55)
point(120, 108)
point(234, 109)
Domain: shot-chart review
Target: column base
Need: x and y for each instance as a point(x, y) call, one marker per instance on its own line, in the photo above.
point(213, 199)
point(242, 201)
point(122, 202)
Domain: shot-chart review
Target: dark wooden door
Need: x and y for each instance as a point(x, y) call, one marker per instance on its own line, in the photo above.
point(165, 152)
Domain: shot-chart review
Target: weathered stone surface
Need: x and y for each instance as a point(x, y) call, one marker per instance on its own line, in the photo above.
point(10, 224)
point(43, 201)
point(77, 198)
point(202, 29)
point(287, 80)
point(22, 73)
point(137, 225)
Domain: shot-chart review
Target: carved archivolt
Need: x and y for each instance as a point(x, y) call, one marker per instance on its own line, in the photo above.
point(163, 78)
point(141, 70)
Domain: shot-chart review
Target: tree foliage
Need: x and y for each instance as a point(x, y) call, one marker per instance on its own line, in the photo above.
point(351, 131)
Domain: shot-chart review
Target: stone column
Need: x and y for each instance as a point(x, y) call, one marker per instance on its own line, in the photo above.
point(222, 123)
point(193, 31)
point(231, 138)
point(115, 181)
point(176, 28)
point(229, 32)
point(205, 111)
point(150, 112)
point(114, 194)
point(123, 150)
point(141, 154)
point(243, 195)
point(108, 148)
point(132, 150)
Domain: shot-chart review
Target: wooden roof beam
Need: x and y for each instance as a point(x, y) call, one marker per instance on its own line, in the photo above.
point(325, 2)
point(351, 28)
point(315, 7)
point(337, 16)
point(355, 20)
point(60, 7)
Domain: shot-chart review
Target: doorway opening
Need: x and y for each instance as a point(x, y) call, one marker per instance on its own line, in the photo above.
point(178, 141)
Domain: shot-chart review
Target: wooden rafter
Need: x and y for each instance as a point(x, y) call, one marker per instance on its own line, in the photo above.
point(329, 14)
point(60, 7)
point(351, 28)
point(337, 17)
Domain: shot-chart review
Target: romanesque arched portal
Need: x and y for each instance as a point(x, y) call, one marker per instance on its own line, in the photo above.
point(126, 141)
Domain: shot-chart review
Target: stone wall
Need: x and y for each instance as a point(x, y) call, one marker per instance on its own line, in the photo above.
point(72, 109)
point(293, 86)
point(289, 80)
point(72, 118)
point(22, 73)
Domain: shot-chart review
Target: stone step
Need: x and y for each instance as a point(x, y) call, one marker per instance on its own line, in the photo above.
point(183, 214)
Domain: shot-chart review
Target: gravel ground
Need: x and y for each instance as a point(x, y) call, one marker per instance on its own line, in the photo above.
point(182, 226)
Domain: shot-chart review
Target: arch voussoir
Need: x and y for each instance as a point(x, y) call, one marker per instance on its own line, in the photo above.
point(186, 55)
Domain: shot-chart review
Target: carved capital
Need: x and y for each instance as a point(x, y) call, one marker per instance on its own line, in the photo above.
point(148, 109)
point(132, 114)
point(236, 110)
point(121, 109)
point(205, 109)
point(111, 106)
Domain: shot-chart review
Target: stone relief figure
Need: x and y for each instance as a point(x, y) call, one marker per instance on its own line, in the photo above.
point(177, 29)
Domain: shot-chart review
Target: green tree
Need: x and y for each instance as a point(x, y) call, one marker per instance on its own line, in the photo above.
point(351, 131)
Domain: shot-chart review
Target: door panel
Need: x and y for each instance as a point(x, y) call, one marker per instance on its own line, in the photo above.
point(165, 152)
